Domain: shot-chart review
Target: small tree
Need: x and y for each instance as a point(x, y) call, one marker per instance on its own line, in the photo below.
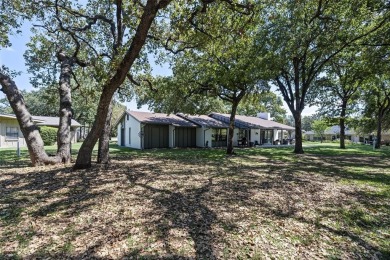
point(319, 127)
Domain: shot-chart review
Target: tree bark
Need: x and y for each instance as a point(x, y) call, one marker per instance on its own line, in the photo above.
point(229, 149)
point(85, 153)
point(30, 131)
point(342, 124)
point(65, 112)
point(298, 133)
point(104, 140)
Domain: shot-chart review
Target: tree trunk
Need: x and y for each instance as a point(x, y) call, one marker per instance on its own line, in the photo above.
point(65, 112)
point(379, 131)
point(298, 132)
point(104, 140)
point(229, 149)
point(85, 153)
point(30, 131)
point(342, 124)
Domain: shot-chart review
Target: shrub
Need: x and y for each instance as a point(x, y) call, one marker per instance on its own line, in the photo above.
point(49, 135)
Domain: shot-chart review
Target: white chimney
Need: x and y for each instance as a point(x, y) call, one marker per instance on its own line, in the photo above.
point(264, 115)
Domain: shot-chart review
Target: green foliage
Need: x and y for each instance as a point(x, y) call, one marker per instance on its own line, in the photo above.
point(48, 134)
point(264, 102)
point(319, 127)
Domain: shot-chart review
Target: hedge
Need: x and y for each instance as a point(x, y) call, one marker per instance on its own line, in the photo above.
point(49, 135)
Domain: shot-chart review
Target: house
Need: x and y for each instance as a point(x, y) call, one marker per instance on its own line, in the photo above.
point(259, 130)
point(10, 133)
point(333, 133)
point(210, 133)
point(143, 130)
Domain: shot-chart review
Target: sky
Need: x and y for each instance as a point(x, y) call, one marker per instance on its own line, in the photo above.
point(12, 57)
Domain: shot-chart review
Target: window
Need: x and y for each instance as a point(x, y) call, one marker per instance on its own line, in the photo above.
point(129, 135)
point(12, 132)
point(219, 135)
point(127, 117)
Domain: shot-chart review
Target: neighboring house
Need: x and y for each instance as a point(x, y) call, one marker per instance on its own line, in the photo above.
point(258, 130)
point(333, 133)
point(144, 130)
point(10, 133)
point(210, 133)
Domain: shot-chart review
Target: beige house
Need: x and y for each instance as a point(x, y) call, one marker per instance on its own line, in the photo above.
point(10, 133)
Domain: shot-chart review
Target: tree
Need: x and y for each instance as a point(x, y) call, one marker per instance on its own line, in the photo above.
point(218, 60)
point(304, 36)
point(340, 87)
point(319, 127)
point(377, 103)
point(266, 102)
point(11, 17)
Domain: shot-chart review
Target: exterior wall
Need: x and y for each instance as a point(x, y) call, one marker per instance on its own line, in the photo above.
point(200, 136)
point(10, 142)
point(235, 137)
point(276, 135)
point(135, 132)
point(255, 137)
point(135, 126)
point(171, 136)
point(119, 135)
point(208, 136)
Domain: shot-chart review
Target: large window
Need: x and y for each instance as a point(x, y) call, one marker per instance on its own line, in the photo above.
point(11, 132)
point(219, 134)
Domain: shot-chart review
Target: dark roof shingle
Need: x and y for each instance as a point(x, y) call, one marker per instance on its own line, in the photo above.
point(160, 119)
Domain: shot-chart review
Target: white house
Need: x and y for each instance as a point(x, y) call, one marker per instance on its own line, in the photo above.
point(333, 133)
point(10, 133)
point(143, 130)
point(210, 133)
point(258, 130)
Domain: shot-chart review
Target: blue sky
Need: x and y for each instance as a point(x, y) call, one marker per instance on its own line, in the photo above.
point(12, 57)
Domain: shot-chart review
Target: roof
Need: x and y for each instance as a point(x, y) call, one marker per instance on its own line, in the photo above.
point(44, 120)
point(160, 119)
point(205, 121)
point(52, 121)
point(252, 122)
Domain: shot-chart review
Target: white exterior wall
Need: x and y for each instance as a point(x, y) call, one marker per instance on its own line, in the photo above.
point(171, 134)
point(135, 126)
point(276, 136)
point(6, 142)
point(235, 136)
point(135, 141)
point(119, 137)
point(208, 136)
point(255, 137)
point(200, 142)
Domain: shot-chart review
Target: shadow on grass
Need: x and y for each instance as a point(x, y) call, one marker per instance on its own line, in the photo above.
point(222, 196)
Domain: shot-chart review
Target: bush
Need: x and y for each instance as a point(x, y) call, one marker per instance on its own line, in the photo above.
point(49, 135)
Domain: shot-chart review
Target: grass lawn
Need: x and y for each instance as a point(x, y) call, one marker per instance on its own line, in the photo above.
point(263, 203)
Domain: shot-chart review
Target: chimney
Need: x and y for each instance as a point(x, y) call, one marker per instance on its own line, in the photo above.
point(264, 115)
